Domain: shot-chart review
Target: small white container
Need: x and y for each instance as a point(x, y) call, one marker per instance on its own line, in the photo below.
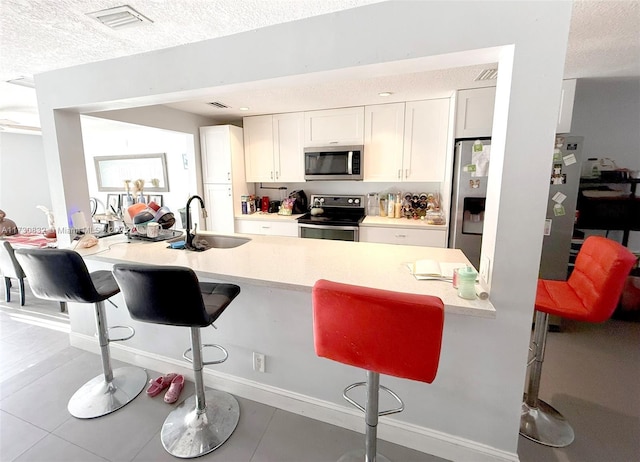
point(153, 229)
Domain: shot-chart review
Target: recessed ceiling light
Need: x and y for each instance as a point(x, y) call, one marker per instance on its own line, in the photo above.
point(243, 108)
point(119, 17)
point(385, 93)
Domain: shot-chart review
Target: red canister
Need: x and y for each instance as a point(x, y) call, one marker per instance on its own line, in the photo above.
point(264, 205)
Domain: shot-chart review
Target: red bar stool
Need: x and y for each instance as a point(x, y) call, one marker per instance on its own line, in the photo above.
point(382, 332)
point(590, 294)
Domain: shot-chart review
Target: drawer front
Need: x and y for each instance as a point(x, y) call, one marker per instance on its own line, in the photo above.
point(404, 236)
point(268, 228)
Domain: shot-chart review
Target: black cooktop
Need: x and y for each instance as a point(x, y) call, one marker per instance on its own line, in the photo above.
point(337, 211)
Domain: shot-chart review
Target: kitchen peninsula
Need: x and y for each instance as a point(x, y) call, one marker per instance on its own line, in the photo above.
point(273, 316)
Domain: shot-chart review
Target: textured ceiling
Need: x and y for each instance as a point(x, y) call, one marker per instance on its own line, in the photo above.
point(42, 35)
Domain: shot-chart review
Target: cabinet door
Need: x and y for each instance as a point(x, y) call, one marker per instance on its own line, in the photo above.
point(258, 148)
point(566, 106)
point(216, 154)
point(383, 142)
point(474, 112)
point(426, 136)
point(288, 147)
point(219, 203)
point(334, 127)
point(404, 236)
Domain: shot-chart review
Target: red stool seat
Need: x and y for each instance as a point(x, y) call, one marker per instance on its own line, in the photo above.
point(380, 331)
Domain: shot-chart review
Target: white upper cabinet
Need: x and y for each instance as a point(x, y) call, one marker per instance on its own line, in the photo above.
point(426, 140)
point(474, 111)
point(274, 148)
point(566, 106)
point(406, 141)
point(334, 127)
point(383, 141)
point(215, 147)
point(288, 147)
point(258, 151)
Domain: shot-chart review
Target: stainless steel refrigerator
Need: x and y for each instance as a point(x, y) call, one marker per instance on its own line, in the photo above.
point(564, 182)
point(469, 191)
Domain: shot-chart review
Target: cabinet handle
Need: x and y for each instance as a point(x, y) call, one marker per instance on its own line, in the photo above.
point(401, 235)
point(399, 173)
point(277, 174)
point(406, 174)
point(266, 227)
point(229, 192)
point(272, 174)
point(229, 176)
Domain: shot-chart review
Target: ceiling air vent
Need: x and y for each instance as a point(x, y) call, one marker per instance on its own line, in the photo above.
point(218, 105)
point(488, 74)
point(119, 17)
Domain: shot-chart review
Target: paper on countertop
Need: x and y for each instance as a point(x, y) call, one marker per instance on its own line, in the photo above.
point(481, 160)
point(432, 269)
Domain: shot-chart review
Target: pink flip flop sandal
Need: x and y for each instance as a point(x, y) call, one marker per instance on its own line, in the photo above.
point(159, 384)
point(172, 395)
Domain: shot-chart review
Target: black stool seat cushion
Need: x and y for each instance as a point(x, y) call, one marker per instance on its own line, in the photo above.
point(216, 297)
point(172, 295)
point(61, 275)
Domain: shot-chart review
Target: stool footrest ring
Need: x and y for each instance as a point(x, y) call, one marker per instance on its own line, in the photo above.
point(208, 363)
point(380, 413)
point(122, 339)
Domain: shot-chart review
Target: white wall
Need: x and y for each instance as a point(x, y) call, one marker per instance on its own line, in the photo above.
point(23, 180)
point(111, 138)
point(479, 394)
point(607, 114)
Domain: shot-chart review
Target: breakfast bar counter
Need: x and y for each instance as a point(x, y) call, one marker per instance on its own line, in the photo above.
point(273, 316)
point(296, 264)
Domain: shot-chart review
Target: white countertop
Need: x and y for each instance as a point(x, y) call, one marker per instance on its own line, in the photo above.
point(296, 264)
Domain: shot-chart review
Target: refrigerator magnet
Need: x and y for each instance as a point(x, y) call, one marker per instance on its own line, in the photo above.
point(558, 197)
point(547, 227)
point(469, 168)
point(558, 210)
point(569, 160)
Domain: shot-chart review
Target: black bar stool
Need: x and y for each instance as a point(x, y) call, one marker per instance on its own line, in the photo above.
point(172, 295)
point(61, 275)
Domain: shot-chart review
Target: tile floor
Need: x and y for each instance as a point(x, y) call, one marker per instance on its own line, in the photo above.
point(591, 373)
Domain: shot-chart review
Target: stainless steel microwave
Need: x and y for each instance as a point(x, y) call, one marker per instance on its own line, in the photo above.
point(333, 163)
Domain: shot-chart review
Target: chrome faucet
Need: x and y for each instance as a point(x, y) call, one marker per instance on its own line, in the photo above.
point(190, 235)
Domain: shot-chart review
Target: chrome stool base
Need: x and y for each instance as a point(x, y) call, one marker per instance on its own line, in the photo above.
point(358, 455)
point(97, 397)
point(188, 433)
point(545, 425)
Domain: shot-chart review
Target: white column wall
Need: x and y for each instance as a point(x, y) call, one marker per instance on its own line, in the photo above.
point(477, 394)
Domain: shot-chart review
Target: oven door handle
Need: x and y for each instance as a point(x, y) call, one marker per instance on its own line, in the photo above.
point(341, 228)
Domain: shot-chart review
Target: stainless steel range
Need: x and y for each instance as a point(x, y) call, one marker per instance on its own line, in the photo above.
point(332, 217)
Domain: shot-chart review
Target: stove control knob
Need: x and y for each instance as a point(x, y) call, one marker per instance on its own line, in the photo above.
point(350, 201)
point(322, 199)
point(357, 201)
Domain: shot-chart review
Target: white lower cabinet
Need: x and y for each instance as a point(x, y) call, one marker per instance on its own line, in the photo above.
point(267, 228)
point(404, 236)
point(218, 199)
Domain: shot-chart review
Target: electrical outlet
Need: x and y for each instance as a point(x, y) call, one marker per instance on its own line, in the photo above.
point(485, 266)
point(259, 362)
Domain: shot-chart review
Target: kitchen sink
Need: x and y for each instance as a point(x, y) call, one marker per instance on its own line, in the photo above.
point(213, 241)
